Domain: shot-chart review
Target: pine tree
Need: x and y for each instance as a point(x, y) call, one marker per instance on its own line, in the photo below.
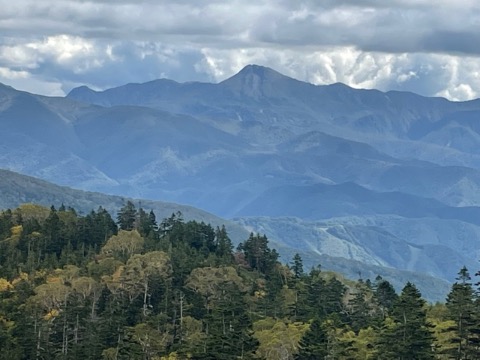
point(228, 328)
point(360, 308)
point(385, 296)
point(142, 223)
point(224, 246)
point(407, 334)
point(315, 285)
point(314, 343)
point(52, 229)
point(332, 302)
point(127, 216)
point(257, 253)
point(297, 266)
point(461, 309)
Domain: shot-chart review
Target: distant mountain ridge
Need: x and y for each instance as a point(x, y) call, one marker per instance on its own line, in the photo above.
point(16, 189)
point(261, 145)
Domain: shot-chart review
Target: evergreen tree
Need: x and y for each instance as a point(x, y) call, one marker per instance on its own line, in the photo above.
point(170, 223)
point(257, 253)
point(148, 228)
point(224, 247)
point(6, 223)
point(406, 335)
point(314, 343)
point(316, 286)
point(333, 299)
point(199, 236)
point(360, 308)
point(230, 334)
point(461, 309)
point(127, 216)
point(227, 326)
point(297, 266)
point(385, 296)
point(52, 229)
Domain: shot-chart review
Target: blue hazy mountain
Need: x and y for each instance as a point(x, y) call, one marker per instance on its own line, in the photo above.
point(265, 149)
point(17, 189)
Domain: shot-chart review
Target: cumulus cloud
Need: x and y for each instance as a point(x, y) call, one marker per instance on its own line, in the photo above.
point(410, 45)
point(453, 77)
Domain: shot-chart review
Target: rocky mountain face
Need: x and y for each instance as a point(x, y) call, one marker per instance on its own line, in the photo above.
point(388, 179)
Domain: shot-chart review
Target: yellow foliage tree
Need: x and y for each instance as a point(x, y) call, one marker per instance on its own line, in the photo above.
point(30, 211)
point(124, 245)
point(5, 285)
point(278, 338)
point(209, 281)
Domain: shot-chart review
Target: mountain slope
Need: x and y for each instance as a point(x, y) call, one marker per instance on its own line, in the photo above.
point(16, 189)
point(263, 144)
point(378, 240)
point(291, 103)
point(351, 199)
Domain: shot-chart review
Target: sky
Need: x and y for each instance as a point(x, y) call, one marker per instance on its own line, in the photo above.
point(428, 47)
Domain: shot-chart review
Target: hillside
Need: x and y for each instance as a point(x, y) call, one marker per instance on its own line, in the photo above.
point(137, 288)
point(17, 189)
point(261, 144)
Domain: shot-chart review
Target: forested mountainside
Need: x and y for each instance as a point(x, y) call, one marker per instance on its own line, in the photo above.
point(17, 189)
point(387, 179)
point(90, 286)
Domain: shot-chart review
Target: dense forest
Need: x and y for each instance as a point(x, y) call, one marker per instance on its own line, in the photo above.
point(90, 286)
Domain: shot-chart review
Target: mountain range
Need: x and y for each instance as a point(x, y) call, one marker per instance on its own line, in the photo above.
point(389, 179)
point(17, 189)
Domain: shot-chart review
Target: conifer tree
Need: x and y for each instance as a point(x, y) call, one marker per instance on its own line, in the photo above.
point(127, 216)
point(333, 299)
point(315, 295)
point(257, 253)
point(314, 343)
point(407, 334)
point(142, 223)
point(297, 266)
point(52, 229)
point(385, 296)
point(461, 309)
point(360, 308)
point(224, 245)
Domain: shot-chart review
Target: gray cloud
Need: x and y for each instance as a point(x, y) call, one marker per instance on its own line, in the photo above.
point(394, 26)
point(409, 45)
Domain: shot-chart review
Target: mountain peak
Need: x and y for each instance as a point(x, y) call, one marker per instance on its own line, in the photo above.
point(6, 89)
point(259, 72)
point(85, 94)
point(256, 81)
point(80, 90)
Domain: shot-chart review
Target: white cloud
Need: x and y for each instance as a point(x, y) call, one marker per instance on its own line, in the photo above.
point(24, 81)
point(454, 77)
point(410, 45)
point(13, 74)
point(407, 76)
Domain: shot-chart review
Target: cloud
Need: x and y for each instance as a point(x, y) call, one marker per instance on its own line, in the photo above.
point(393, 26)
point(410, 45)
point(453, 77)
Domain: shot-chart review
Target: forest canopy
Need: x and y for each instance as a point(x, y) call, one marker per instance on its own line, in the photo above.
point(134, 287)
